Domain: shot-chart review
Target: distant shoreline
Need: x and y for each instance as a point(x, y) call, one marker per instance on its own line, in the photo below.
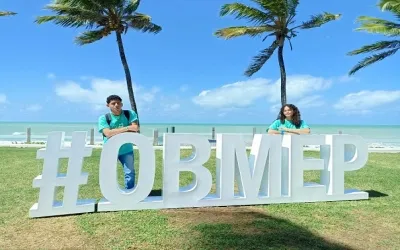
point(199, 124)
point(98, 145)
point(17, 133)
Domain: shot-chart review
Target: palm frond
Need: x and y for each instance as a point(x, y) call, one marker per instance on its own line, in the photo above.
point(390, 5)
point(112, 15)
point(62, 9)
point(131, 7)
point(65, 21)
point(376, 47)
point(292, 6)
point(7, 13)
point(379, 26)
point(259, 60)
point(372, 59)
point(92, 4)
point(274, 7)
point(243, 11)
point(143, 23)
point(73, 13)
point(119, 4)
point(232, 32)
point(89, 17)
point(91, 36)
point(101, 4)
point(319, 20)
point(98, 6)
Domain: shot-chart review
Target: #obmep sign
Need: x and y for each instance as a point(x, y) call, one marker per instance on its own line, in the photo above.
point(272, 173)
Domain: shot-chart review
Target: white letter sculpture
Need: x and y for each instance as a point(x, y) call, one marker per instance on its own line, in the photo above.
point(115, 198)
point(51, 178)
point(174, 196)
point(258, 177)
point(272, 173)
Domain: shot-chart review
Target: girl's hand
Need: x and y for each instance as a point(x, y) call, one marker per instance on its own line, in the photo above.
point(284, 129)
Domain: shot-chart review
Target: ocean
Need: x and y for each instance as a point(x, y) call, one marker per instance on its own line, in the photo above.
point(383, 136)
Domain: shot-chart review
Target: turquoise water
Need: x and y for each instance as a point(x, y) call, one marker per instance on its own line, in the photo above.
point(385, 136)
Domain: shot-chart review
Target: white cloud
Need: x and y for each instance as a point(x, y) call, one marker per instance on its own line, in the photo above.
point(347, 78)
point(51, 76)
point(239, 94)
point(172, 107)
point(100, 89)
point(34, 108)
point(310, 101)
point(362, 102)
point(275, 108)
point(149, 96)
point(299, 86)
point(245, 93)
point(3, 98)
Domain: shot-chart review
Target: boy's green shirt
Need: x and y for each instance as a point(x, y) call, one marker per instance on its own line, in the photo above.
point(118, 121)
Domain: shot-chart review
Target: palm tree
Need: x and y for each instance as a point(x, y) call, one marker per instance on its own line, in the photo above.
point(7, 13)
point(272, 18)
point(379, 26)
point(101, 18)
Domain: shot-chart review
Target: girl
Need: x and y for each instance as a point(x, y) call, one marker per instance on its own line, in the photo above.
point(289, 121)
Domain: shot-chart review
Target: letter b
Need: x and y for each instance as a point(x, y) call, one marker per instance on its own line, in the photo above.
point(173, 165)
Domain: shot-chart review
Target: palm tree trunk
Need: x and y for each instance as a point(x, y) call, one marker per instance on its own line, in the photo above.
point(127, 74)
point(283, 74)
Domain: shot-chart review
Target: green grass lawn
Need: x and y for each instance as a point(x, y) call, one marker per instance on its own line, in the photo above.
point(367, 224)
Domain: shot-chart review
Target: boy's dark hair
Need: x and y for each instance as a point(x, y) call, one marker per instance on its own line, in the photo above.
point(113, 98)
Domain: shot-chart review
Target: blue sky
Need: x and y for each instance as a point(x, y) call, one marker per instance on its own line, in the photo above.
point(186, 75)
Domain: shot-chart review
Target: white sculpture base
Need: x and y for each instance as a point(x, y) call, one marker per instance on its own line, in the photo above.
point(156, 202)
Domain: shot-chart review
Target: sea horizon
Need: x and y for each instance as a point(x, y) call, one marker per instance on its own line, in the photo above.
point(199, 123)
point(377, 136)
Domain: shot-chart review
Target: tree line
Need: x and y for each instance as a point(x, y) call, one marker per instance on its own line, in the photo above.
point(273, 19)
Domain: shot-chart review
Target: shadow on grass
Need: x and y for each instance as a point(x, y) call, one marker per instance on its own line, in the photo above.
point(375, 194)
point(157, 192)
point(242, 228)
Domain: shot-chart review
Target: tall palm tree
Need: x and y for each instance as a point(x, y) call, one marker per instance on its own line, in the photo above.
point(379, 26)
point(7, 13)
point(271, 18)
point(101, 18)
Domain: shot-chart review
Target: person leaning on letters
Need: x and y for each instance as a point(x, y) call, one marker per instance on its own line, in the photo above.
point(120, 121)
point(289, 122)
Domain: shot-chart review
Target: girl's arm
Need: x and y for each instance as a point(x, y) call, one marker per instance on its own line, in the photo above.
point(301, 131)
point(274, 128)
point(273, 131)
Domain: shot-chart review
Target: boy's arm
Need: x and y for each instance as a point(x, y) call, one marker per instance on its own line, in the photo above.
point(111, 132)
point(105, 129)
point(134, 127)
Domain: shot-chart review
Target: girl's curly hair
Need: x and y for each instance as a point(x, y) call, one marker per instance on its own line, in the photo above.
point(296, 118)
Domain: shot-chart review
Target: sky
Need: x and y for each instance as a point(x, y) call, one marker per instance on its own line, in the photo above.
point(185, 74)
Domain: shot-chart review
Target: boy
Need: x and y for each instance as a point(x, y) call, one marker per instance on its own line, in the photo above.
point(117, 122)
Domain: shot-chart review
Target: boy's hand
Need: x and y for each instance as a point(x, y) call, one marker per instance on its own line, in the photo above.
point(133, 128)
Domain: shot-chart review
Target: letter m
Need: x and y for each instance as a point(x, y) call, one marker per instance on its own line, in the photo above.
point(258, 175)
